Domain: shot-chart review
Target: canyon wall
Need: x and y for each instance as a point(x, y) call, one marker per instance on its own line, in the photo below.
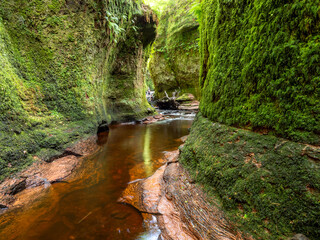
point(174, 60)
point(255, 144)
point(68, 66)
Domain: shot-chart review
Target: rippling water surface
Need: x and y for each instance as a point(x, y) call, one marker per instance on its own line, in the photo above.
point(86, 207)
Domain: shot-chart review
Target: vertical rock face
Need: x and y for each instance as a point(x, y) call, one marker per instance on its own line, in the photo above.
point(260, 66)
point(260, 70)
point(67, 66)
point(174, 61)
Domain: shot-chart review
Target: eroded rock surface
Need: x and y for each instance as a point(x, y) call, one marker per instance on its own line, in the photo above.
point(153, 119)
point(182, 209)
point(192, 106)
point(24, 186)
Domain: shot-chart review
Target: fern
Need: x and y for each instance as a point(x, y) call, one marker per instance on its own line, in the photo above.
point(196, 10)
point(118, 16)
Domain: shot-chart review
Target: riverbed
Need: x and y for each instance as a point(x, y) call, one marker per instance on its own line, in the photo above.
point(85, 206)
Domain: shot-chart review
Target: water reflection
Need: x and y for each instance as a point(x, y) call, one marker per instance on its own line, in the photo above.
point(147, 152)
point(102, 138)
point(86, 207)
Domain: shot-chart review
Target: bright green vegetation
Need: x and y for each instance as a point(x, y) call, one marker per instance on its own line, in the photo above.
point(260, 70)
point(158, 6)
point(267, 185)
point(184, 98)
point(260, 65)
point(65, 67)
point(174, 60)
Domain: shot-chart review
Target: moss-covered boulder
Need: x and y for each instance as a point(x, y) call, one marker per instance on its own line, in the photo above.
point(174, 60)
point(186, 97)
point(269, 186)
point(65, 67)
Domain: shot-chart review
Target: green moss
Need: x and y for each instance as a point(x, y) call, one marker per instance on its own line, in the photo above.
point(59, 64)
point(267, 185)
point(260, 65)
point(184, 98)
point(175, 54)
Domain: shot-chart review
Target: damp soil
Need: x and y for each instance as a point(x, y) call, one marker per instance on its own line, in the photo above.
point(85, 206)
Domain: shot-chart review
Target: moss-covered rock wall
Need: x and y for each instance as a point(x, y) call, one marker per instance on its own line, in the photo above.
point(260, 65)
point(174, 60)
point(268, 186)
point(260, 74)
point(66, 67)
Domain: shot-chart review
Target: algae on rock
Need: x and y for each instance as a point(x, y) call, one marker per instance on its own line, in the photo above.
point(67, 66)
point(174, 60)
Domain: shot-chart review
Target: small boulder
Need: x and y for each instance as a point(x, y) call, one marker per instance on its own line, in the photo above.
point(186, 97)
point(149, 110)
point(103, 127)
point(18, 187)
point(3, 206)
point(299, 237)
point(167, 103)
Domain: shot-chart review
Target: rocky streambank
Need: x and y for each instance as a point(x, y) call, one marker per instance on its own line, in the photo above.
point(26, 186)
point(181, 207)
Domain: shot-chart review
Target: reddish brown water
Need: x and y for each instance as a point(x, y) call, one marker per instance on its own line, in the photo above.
point(86, 207)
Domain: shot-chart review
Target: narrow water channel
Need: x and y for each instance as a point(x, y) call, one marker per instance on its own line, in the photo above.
point(86, 206)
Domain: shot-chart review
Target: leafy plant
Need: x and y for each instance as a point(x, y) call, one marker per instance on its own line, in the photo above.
point(119, 16)
point(196, 9)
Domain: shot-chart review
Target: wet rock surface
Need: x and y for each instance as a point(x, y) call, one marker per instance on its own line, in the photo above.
point(188, 109)
point(3, 206)
point(191, 106)
point(153, 119)
point(167, 103)
point(173, 103)
point(78, 149)
point(17, 187)
point(299, 237)
point(181, 207)
point(103, 127)
point(41, 174)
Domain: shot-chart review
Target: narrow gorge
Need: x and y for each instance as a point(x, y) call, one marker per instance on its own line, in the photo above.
point(90, 150)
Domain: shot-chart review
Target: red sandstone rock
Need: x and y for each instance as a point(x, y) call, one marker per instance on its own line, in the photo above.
point(28, 184)
point(194, 106)
point(182, 208)
point(153, 119)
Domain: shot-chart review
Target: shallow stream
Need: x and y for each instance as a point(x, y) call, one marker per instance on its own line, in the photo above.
point(86, 206)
